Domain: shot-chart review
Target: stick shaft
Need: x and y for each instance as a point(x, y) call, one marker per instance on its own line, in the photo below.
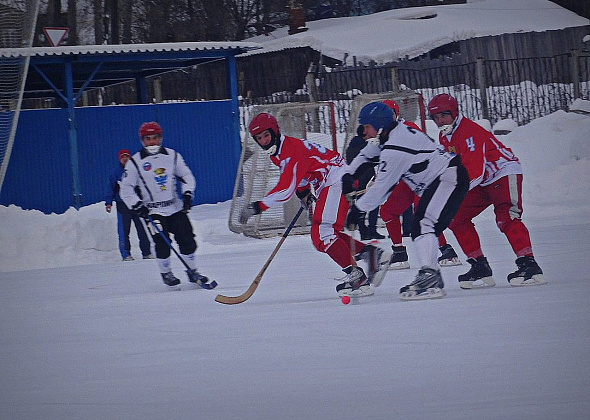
point(232, 300)
point(167, 242)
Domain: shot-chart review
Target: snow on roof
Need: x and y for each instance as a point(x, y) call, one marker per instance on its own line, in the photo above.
point(128, 48)
point(394, 34)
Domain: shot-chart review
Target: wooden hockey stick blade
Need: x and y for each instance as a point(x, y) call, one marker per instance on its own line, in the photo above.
point(232, 300)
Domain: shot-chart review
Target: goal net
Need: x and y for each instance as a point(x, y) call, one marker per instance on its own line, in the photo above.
point(257, 174)
point(17, 29)
point(411, 108)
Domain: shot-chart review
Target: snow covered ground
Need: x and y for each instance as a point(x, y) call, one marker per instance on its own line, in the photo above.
point(85, 335)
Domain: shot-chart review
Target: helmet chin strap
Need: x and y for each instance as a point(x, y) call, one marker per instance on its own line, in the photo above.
point(271, 150)
point(448, 128)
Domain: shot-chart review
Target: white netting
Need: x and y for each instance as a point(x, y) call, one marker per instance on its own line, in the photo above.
point(411, 108)
point(257, 175)
point(17, 29)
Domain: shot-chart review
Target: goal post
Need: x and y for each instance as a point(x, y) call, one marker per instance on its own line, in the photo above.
point(314, 122)
point(18, 20)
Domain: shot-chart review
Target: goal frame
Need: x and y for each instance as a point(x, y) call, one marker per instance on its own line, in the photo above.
point(257, 175)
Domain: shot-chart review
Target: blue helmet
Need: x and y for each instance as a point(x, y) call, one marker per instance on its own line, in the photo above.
point(379, 115)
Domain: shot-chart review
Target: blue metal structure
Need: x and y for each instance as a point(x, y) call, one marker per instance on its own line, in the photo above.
point(40, 176)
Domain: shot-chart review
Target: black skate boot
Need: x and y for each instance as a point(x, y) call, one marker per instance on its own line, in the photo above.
point(479, 275)
point(377, 261)
point(195, 277)
point(399, 258)
point(373, 234)
point(170, 280)
point(364, 230)
point(427, 285)
point(528, 274)
point(355, 283)
point(448, 256)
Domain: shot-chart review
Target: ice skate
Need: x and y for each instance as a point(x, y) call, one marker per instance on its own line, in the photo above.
point(427, 285)
point(448, 256)
point(479, 275)
point(399, 258)
point(170, 280)
point(195, 277)
point(377, 260)
point(355, 283)
point(373, 234)
point(528, 273)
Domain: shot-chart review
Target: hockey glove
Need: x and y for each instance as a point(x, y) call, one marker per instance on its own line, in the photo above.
point(353, 217)
point(306, 198)
point(141, 210)
point(187, 201)
point(348, 187)
point(251, 210)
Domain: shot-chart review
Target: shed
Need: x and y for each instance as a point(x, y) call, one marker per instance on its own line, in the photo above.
point(62, 157)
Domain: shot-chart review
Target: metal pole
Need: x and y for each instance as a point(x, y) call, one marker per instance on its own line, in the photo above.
point(73, 135)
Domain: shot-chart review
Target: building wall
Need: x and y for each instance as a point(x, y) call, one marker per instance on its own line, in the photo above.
point(39, 174)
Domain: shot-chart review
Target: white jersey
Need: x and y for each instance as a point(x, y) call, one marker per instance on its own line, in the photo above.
point(152, 179)
point(408, 155)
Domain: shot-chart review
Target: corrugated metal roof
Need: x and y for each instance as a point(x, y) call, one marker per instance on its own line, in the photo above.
point(128, 48)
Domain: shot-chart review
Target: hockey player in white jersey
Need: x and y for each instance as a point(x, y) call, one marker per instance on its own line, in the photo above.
point(149, 189)
point(436, 176)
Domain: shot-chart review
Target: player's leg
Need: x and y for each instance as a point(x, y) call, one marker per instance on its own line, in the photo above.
point(506, 196)
point(400, 198)
point(327, 222)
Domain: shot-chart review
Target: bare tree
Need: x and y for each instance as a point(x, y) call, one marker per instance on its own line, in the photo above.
point(72, 23)
point(98, 22)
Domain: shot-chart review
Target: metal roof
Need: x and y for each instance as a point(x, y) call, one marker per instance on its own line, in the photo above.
point(236, 47)
point(95, 66)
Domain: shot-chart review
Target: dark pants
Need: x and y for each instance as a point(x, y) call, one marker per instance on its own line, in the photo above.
point(178, 225)
point(124, 218)
point(441, 200)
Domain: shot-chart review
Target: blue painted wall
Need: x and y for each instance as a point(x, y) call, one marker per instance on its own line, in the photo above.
point(39, 174)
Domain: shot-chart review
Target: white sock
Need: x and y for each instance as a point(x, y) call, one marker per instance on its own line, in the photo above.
point(427, 249)
point(190, 260)
point(164, 265)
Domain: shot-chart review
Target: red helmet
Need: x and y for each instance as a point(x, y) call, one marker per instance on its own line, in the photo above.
point(443, 103)
point(263, 122)
point(392, 105)
point(149, 128)
point(123, 152)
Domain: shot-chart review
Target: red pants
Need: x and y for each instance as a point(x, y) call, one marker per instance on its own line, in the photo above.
point(396, 204)
point(326, 228)
point(506, 196)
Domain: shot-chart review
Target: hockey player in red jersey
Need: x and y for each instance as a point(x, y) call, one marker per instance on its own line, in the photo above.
point(398, 201)
point(495, 179)
point(303, 166)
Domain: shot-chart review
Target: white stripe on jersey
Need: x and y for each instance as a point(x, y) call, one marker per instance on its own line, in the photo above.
point(407, 155)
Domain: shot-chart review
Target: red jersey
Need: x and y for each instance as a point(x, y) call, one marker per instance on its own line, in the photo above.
point(483, 155)
point(302, 164)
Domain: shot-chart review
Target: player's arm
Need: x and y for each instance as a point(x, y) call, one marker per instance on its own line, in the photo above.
point(391, 168)
point(369, 153)
point(291, 176)
point(471, 147)
point(128, 186)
